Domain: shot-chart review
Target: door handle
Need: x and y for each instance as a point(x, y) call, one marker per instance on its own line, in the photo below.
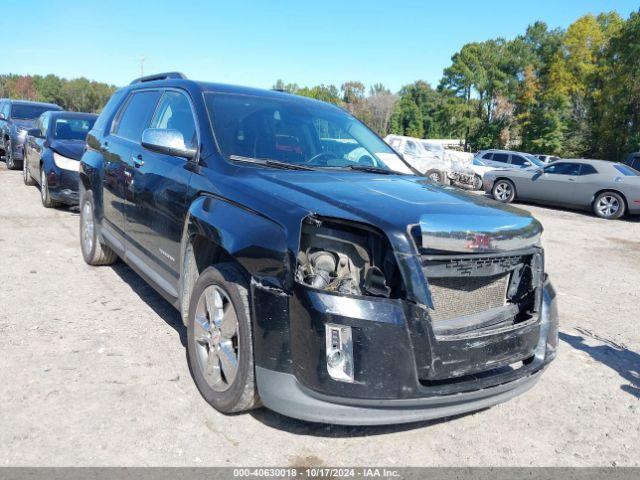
point(137, 160)
point(571, 179)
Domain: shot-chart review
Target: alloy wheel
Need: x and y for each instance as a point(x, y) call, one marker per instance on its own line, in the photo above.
point(608, 205)
point(216, 338)
point(87, 227)
point(44, 190)
point(8, 155)
point(435, 176)
point(503, 191)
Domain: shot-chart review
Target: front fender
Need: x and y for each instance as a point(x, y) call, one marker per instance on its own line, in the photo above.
point(257, 243)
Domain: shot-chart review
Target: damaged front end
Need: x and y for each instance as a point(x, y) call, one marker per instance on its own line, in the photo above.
point(448, 322)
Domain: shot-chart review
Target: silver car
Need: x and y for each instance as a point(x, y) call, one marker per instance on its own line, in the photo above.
point(609, 189)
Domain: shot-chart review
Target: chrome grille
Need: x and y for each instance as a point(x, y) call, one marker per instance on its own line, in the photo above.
point(461, 296)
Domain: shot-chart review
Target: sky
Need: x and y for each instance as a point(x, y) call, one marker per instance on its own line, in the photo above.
point(256, 43)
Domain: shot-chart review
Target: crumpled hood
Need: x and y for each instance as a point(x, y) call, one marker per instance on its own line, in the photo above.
point(393, 202)
point(69, 148)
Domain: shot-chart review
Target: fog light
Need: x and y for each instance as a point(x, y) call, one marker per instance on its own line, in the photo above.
point(339, 352)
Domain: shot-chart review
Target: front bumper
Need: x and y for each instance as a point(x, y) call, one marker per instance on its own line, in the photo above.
point(390, 387)
point(63, 185)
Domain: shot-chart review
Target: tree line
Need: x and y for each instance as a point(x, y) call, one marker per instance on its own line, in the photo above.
point(571, 92)
point(78, 95)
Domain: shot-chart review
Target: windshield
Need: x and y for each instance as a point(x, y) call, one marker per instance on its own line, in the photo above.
point(296, 132)
point(27, 112)
point(478, 162)
point(535, 160)
point(72, 128)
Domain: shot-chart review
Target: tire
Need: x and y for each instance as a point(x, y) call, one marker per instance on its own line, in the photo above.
point(477, 182)
point(609, 205)
point(504, 191)
point(8, 156)
point(26, 176)
point(228, 386)
point(47, 201)
point(436, 175)
point(94, 251)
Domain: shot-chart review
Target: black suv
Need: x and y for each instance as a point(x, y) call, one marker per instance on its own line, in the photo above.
point(316, 274)
point(16, 118)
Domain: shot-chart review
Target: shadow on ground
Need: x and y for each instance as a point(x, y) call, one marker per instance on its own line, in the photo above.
point(617, 357)
point(164, 309)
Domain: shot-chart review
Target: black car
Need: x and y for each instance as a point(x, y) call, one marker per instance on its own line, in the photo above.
point(314, 272)
point(16, 118)
point(52, 153)
point(633, 161)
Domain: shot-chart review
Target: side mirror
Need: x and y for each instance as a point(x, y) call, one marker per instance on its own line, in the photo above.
point(527, 164)
point(2, 117)
point(34, 132)
point(167, 141)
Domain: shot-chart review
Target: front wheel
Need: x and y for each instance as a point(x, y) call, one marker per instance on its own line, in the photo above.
point(477, 182)
point(436, 175)
point(219, 339)
point(8, 156)
point(26, 176)
point(609, 205)
point(47, 201)
point(504, 191)
point(93, 251)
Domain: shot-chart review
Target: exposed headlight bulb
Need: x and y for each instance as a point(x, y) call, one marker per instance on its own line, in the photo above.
point(339, 345)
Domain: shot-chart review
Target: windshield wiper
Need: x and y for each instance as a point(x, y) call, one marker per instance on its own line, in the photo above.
point(269, 163)
point(371, 168)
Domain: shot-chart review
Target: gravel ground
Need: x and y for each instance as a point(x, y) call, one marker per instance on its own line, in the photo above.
point(93, 367)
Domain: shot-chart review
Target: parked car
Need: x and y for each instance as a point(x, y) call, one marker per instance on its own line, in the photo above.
point(16, 117)
point(609, 189)
point(547, 158)
point(52, 153)
point(328, 289)
point(429, 162)
point(508, 159)
point(479, 169)
point(458, 163)
point(633, 161)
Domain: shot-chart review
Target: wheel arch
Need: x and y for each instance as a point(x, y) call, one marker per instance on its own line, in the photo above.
point(217, 230)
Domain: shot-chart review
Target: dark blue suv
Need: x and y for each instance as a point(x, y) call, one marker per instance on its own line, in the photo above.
point(16, 118)
point(316, 274)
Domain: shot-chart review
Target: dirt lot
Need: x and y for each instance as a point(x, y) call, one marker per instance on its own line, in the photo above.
point(93, 368)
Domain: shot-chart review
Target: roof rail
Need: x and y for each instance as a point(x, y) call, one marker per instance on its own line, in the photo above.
point(159, 76)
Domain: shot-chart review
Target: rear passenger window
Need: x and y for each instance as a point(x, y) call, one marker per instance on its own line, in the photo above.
point(174, 113)
point(136, 115)
point(501, 157)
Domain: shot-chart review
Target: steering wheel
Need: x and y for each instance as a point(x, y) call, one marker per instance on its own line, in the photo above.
point(320, 155)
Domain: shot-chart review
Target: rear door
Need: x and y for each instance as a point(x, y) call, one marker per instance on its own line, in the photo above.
point(155, 218)
point(125, 134)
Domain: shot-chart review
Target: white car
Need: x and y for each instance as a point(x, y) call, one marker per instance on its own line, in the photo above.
point(430, 160)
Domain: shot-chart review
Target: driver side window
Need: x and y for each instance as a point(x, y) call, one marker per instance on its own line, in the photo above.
point(563, 169)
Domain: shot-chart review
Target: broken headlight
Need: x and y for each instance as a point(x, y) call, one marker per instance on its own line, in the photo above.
point(346, 258)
